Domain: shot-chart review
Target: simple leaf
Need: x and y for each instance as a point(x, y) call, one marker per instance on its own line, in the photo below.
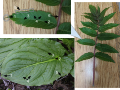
point(50, 2)
point(37, 19)
point(89, 24)
point(66, 6)
point(64, 28)
point(33, 59)
point(107, 36)
point(103, 13)
point(92, 9)
point(86, 41)
point(85, 56)
point(106, 48)
point(106, 18)
point(104, 57)
point(107, 26)
point(89, 31)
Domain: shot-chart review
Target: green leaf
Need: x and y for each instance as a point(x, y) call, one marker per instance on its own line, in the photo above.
point(104, 57)
point(86, 41)
point(85, 56)
point(66, 6)
point(106, 18)
point(37, 19)
point(106, 48)
point(91, 18)
point(50, 2)
point(107, 26)
point(88, 31)
point(72, 71)
point(7, 45)
point(92, 9)
point(98, 11)
point(41, 59)
point(64, 28)
point(89, 24)
point(103, 13)
point(107, 36)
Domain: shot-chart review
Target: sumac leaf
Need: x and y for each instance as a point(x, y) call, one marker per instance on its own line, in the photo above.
point(91, 18)
point(106, 18)
point(50, 2)
point(32, 19)
point(98, 11)
point(89, 24)
point(92, 9)
point(103, 13)
point(85, 56)
point(86, 41)
point(107, 26)
point(106, 48)
point(89, 31)
point(104, 57)
point(107, 36)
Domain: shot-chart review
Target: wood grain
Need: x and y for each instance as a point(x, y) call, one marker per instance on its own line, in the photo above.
point(107, 73)
point(11, 28)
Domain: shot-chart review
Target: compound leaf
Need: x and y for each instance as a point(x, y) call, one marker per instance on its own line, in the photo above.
point(40, 59)
point(89, 31)
point(66, 6)
point(106, 48)
point(89, 24)
point(106, 18)
point(107, 36)
point(85, 56)
point(50, 2)
point(64, 28)
point(104, 57)
point(107, 26)
point(37, 19)
point(86, 41)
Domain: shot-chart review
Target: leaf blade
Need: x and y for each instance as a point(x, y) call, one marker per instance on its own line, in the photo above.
point(88, 31)
point(107, 26)
point(92, 9)
point(107, 36)
point(86, 41)
point(85, 56)
point(106, 48)
point(104, 57)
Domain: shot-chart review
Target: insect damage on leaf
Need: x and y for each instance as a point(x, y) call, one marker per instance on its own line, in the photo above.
point(97, 24)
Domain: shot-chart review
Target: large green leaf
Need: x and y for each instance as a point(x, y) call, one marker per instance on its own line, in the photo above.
point(103, 13)
point(92, 9)
point(41, 60)
point(89, 31)
point(89, 24)
point(7, 45)
point(106, 18)
point(86, 41)
point(64, 28)
point(85, 56)
point(50, 2)
point(37, 19)
point(107, 26)
point(104, 57)
point(66, 6)
point(106, 48)
point(107, 36)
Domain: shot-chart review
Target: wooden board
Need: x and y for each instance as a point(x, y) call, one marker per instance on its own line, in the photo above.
point(107, 74)
point(11, 28)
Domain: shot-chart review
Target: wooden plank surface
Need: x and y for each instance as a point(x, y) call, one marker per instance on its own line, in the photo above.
point(11, 28)
point(107, 74)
